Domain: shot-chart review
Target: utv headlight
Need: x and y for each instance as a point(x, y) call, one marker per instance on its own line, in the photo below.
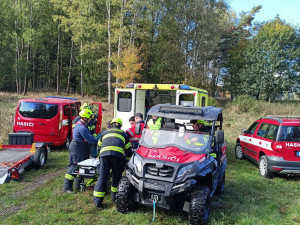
point(138, 163)
point(185, 170)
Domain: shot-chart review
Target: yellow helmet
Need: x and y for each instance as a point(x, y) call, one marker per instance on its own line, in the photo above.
point(116, 120)
point(86, 113)
point(85, 105)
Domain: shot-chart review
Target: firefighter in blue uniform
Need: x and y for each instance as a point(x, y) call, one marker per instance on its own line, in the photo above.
point(114, 147)
point(79, 148)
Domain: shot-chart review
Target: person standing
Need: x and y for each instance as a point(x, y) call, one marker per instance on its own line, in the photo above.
point(135, 138)
point(114, 147)
point(79, 148)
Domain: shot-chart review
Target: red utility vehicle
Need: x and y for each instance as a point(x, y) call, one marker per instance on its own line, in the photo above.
point(176, 167)
point(272, 142)
point(50, 118)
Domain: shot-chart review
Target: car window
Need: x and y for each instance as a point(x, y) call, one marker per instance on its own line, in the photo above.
point(262, 130)
point(124, 101)
point(271, 132)
point(74, 109)
point(38, 110)
point(252, 128)
point(290, 133)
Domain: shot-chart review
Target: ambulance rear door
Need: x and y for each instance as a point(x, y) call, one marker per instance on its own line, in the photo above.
point(124, 105)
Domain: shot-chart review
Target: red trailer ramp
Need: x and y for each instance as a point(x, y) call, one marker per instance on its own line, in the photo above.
point(15, 158)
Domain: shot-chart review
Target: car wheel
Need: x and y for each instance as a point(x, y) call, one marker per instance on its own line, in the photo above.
point(239, 152)
point(124, 199)
point(264, 167)
point(199, 205)
point(40, 158)
point(221, 186)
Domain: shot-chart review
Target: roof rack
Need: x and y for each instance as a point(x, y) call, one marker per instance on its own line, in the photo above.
point(61, 97)
point(283, 116)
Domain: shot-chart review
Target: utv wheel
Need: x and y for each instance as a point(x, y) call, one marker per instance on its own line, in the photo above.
point(40, 158)
point(264, 167)
point(221, 186)
point(239, 152)
point(199, 205)
point(124, 199)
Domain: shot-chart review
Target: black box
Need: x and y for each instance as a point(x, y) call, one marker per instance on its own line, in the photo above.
point(20, 138)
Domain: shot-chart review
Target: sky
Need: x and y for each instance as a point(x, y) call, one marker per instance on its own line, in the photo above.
point(288, 10)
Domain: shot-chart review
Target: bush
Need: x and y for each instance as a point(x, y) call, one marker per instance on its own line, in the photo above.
point(246, 103)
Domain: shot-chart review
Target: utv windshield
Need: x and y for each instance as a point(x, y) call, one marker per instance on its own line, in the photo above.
point(185, 141)
point(38, 110)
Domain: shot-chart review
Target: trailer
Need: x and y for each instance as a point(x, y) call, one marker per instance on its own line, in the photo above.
point(14, 159)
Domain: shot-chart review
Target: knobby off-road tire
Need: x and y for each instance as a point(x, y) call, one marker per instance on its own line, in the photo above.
point(239, 152)
point(264, 167)
point(221, 186)
point(40, 158)
point(124, 199)
point(199, 206)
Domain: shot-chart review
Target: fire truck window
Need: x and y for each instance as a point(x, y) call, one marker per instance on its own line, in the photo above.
point(38, 110)
point(67, 111)
point(186, 99)
point(262, 130)
point(124, 101)
point(74, 110)
point(252, 128)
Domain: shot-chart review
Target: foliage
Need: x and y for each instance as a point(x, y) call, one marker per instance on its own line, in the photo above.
point(128, 66)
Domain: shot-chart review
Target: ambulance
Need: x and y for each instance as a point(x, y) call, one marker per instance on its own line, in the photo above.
point(140, 97)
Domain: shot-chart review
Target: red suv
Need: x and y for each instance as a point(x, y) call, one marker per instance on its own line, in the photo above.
point(272, 142)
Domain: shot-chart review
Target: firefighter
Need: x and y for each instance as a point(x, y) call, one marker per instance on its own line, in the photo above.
point(135, 138)
point(114, 147)
point(85, 105)
point(79, 148)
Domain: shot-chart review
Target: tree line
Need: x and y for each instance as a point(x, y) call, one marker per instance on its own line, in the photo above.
point(91, 46)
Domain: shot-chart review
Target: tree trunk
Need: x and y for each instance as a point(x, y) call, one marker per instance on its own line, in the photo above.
point(70, 68)
point(26, 78)
point(81, 73)
point(58, 78)
point(109, 52)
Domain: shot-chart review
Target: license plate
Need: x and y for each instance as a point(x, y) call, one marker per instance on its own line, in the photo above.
point(157, 187)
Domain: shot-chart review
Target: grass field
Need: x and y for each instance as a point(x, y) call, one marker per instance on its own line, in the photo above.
point(38, 198)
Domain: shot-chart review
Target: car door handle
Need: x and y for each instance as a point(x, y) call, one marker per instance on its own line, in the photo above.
point(43, 124)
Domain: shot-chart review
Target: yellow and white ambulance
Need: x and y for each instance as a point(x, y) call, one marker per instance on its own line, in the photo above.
point(140, 97)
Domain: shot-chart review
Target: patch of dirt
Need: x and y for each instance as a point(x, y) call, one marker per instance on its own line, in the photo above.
point(7, 211)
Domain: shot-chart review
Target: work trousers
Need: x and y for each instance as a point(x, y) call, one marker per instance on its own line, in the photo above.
point(107, 163)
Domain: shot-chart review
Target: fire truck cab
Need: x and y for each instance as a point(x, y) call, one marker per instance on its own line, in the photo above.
point(140, 97)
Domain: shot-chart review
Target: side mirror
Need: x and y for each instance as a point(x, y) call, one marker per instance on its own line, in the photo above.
point(244, 131)
point(138, 129)
point(219, 136)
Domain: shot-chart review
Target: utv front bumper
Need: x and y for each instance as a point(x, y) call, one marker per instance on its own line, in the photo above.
point(149, 190)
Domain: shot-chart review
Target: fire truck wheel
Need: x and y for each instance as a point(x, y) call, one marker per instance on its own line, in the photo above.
point(40, 158)
point(221, 185)
point(124, 199)
point(264, 167)
point(199, 205)
point(239, 152)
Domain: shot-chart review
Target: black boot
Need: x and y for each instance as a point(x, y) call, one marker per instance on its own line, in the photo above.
point(68, 186)
point(113, 196)
point(98, 202)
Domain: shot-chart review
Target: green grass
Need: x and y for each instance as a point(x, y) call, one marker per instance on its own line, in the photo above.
point(38, 198)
